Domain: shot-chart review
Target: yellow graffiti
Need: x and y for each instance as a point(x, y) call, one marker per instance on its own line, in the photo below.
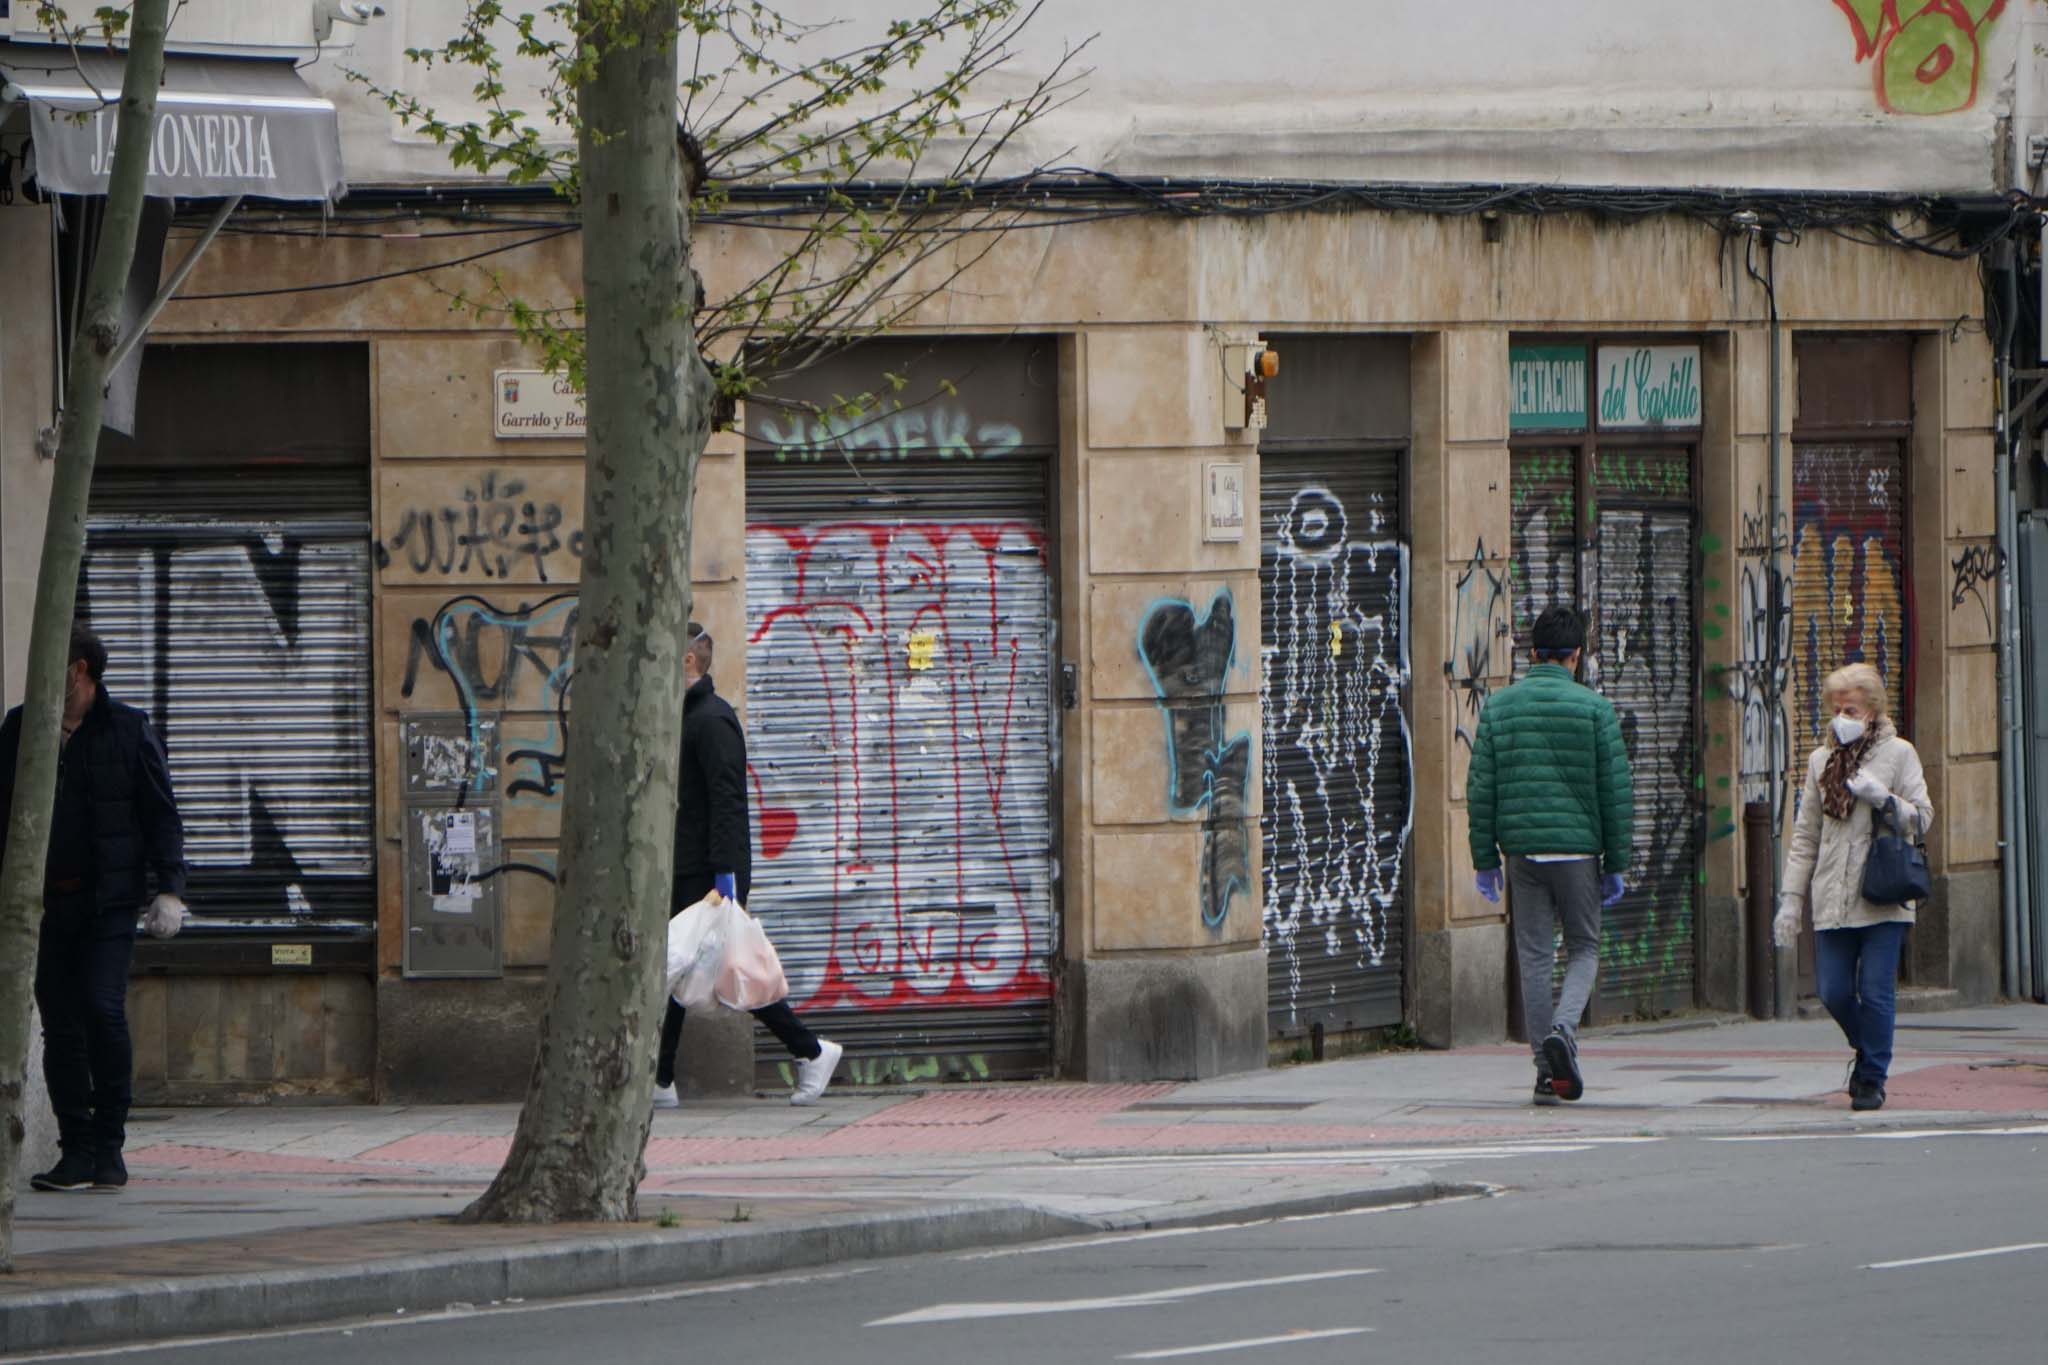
point(1828, 610)
point(1336, 640)
point(922, 645)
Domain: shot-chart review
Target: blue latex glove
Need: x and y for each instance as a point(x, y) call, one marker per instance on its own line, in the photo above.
point(1611, 888)
point(723, 881)
point(1490, 882)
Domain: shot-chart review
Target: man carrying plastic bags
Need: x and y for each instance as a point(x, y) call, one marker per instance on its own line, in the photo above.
point(724, 953)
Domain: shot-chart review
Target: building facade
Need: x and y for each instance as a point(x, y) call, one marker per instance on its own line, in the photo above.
point(1108, 716)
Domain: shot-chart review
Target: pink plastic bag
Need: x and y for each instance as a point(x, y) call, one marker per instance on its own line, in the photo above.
point(717, 951)
point(751, 975)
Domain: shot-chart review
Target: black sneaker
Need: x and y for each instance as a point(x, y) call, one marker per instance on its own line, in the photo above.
point(110, 1173)
point(1563, 1060)
point(73, 1171)
point(1863, 1095)
point(1544, 1094)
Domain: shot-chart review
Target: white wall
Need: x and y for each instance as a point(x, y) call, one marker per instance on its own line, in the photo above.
point(1744, 93)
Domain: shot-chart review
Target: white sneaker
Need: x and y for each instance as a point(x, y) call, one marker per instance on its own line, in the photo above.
point(813, 1076)
point(665, 1097)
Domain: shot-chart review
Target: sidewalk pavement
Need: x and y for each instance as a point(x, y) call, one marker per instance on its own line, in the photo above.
point(238, 1219)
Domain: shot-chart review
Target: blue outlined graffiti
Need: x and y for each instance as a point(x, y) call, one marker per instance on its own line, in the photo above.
point(487, 651)
point(1208, 769)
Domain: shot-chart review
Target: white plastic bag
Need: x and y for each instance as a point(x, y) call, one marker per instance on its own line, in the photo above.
point(717, 951)
point(696, 946)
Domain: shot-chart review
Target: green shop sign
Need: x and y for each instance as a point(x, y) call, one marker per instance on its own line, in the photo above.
point(1546, 388)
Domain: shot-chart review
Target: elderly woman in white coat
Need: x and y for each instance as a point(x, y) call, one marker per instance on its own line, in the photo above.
point(1861, 769)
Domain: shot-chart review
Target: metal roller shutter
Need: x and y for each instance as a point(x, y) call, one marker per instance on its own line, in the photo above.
point(1543, 568)
point(1848, 578)
point(1334, 666)
point(1646, 654)
point(236, 610)
point(900, 661)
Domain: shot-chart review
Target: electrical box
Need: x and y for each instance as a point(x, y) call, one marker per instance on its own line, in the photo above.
point(453, 892)
point(1247, 364)
point(454, 862)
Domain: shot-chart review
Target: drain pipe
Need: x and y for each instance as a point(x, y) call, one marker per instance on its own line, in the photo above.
point(2013, 854)
point(1784, 960)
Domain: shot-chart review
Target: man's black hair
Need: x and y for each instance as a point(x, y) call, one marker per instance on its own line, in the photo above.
point(699, 645)
point(86, 645)
point(1559, 633)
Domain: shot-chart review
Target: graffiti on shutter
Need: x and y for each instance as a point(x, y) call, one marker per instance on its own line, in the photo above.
point(245, 635)
point(1848, 591)
point(1338, 762)
point(1646, 650)
point(1543, 519)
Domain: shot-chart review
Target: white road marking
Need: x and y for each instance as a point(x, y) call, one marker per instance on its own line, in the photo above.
point(1116, 1238)
point(508, 1308)
point(1958, 1256)
point(968, 1312)
point(1354, 1156)
point(1889, 1134)
point(1246, 1344)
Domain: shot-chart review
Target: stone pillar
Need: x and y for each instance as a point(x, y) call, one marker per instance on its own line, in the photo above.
point(1165, 974)
point(1463, 627)
point(1957, 942)
point(28, 398)
point(1734, 632)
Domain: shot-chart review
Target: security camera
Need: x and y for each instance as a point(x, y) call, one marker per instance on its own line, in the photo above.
point(328, 13)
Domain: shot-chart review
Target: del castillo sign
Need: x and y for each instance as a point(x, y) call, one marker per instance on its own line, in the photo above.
point(535, 403)
point(1646, 387)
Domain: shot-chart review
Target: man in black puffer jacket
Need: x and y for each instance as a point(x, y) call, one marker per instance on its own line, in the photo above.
point(115, 822)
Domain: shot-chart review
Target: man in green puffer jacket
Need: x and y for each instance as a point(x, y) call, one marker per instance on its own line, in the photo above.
point(1550, 789)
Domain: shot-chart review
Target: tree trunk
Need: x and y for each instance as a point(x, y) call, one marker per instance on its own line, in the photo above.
point(35, 773)
point(577, 1153)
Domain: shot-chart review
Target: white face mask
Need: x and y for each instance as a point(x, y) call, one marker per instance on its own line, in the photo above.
point(1848, 731)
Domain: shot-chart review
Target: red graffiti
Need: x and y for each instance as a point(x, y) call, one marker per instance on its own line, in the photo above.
point(889, 678)
point(778, 823)
point(1925, 54)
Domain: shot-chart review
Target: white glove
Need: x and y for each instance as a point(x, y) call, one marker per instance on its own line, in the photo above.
point(1868, 789)
point(1785, 925)
point(165, 918)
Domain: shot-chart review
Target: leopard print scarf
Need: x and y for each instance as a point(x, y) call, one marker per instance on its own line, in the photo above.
point(1836, 800)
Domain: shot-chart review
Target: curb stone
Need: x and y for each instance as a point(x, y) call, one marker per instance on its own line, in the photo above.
point(167, 1309)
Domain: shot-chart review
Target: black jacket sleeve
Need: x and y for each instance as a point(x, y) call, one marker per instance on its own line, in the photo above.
point(723, 755)
point(156, 811)
point(10, 754)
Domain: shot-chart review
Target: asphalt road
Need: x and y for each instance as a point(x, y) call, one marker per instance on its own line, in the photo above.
point(1678, 1250)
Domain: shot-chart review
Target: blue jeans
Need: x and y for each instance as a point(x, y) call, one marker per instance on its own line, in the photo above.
point(1857, 971)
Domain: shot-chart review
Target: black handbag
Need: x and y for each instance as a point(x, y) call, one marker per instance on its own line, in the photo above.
point(1896, 872)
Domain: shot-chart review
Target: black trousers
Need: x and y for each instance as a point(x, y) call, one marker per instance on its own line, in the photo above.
point(88, 1060)
point(778, 1018)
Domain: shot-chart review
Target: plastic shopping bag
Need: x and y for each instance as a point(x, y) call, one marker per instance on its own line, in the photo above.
point(751, 975)
point(717, 951)
point(696, 949)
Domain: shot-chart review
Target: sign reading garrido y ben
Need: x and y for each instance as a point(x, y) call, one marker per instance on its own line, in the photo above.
point(1649, 386)
point(534, 403)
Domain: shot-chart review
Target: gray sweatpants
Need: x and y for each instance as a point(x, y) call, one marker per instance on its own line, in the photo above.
point(1542, 895)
